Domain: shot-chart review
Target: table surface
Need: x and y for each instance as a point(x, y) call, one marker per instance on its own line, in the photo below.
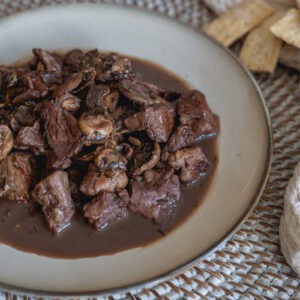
point(250, 265)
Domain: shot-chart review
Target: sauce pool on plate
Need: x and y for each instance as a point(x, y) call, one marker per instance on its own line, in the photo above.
point(23, 226)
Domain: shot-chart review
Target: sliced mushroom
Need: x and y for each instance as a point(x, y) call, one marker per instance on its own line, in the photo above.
point(30, 95)
point(192, 163)
point(154, 159)
point(134, 141)
point(88, 157)
point(6, 141)
point(109, 159)
point(8, 79)
point(95, 126)
point(70, 84)
point(34, 80)
point(70, 102)
point(110, 100)
point(126, 150)
point(48, 61)
point(88, 77)
point(22, 116)
point(135, 91)
point(95, 95)
point(93, 183)
point(121, 66)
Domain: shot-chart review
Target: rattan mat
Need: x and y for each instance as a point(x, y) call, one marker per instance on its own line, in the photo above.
point(250, 265)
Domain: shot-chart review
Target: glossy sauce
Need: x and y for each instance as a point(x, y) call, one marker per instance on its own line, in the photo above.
point(23, 226)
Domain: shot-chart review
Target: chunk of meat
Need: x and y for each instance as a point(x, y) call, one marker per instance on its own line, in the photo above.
point(194, 111)
point(30, 138)
point(136, 122)
point(192, 163)
point(182, 136)
point(157, 120)
point(62, 131)
point(135, 91)
point(93, 183)
point(6, 141)
point(155, 195)
point(110, 67)
point(95, 126)
point(72, 60)
point(16, 176)
point(53, 193)
point(106, 208)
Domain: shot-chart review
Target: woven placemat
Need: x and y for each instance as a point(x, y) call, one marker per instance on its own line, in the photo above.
point(250, 265)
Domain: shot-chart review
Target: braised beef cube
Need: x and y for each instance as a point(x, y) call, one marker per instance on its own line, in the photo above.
point(16, 176)
point(30, 138)
point(157, 120)
point(136, 122)
point(194, 111)
point(192, 163)
point(182, 136)
point(53, 193)
point(106, 208)
point(155, 195)
point(62, 131)
point(135, 91)
point(6, 141)
point(72, 60)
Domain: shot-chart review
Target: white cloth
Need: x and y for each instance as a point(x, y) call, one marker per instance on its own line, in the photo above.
point(290, 222)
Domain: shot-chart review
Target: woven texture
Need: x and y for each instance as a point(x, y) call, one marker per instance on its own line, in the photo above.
point(250, 265)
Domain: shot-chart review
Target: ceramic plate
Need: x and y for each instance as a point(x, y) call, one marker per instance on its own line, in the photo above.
point(244, 143)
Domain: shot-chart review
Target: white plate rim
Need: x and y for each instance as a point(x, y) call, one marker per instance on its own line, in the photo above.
point(15, 290)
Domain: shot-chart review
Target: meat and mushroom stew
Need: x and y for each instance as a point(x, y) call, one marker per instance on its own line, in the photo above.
point(98, 152)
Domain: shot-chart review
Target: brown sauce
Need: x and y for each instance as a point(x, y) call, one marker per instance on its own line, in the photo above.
point(22, 226)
